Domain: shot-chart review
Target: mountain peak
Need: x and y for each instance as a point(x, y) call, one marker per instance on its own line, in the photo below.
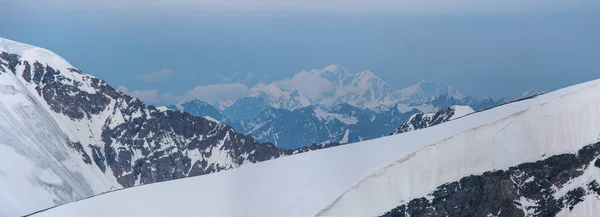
point(531, 92)
point(10, 46)
point(269, 89)
point(428, 88)
point(334, 68)
point(367, 73)
point(30, 52)
point(426, 82)
point(333, 72)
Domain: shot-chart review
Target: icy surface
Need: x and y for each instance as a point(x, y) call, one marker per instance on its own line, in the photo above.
point(37, 167)
point(349, 180)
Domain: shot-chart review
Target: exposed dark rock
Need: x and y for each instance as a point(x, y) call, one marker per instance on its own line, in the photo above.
point(498, 193)
point(98, 157)
point(27, 72)
point(79, 148)
point(424, 120)
point(12, 60)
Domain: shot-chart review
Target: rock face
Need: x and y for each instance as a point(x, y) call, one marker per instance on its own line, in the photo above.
point(122, 137)
point(542, 188)
point(423, 120)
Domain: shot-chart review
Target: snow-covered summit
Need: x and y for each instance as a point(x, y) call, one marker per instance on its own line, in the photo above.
point(335, 85)
point(461, 110)
point(271, 90)
point(27, 51)
point(426, 89)
point(334, 68)
point(17, 48)
point(530, 92)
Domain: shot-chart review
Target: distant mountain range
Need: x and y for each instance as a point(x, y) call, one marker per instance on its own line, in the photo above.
point(332, 105)
point(531, 92)
point(336, 107)
point(327, 88)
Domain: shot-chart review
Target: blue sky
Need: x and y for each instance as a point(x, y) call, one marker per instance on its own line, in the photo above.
point(166, 51)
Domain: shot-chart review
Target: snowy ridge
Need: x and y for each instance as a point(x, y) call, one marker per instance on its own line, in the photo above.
point(531, 92)
point(414, 164)
point(424, 120)
point(427, 89)
point(562, 122)
point(460, 111)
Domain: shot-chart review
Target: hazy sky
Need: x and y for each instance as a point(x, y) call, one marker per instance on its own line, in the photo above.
point(214, 49)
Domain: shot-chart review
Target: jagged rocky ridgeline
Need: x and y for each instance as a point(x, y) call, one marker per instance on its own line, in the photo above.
point(102, 139)
point(423, 120)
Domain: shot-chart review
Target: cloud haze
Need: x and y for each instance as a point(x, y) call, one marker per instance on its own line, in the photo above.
point(147, 96)
point(306, 83)
point(213, 92)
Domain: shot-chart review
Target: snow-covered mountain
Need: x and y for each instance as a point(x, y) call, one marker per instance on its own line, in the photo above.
point(331, 86)
point(529, 93)
point(263, 96)
point(341, 124)
point(424, 120)
point(200, 108)
point(437, 103)
point(428, 89)
point(533, 157)
point(67, 135)
point(364, 89)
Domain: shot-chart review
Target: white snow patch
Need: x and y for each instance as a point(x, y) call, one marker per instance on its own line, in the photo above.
point(460, 111)
point(344, 139)
point(211, 119)
point(324, 115)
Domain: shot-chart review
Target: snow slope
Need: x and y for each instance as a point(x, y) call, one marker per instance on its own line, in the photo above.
point(38, 169)
point(349, 180)
point(461, 110)
point(560, 122)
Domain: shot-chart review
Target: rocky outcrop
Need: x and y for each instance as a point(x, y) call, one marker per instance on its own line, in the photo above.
point(423, 120)
point(542, 188)
point(124, 138)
